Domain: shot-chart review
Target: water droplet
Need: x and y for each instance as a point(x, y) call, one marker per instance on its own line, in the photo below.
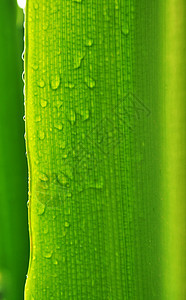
point(98, 184)
point(90, 82)
point(89, 42)
point(23, 55)
point(43, 177)
point(68, 171)
point(40, 208)
point(37, 118)
point(58, 126)
point(41, 83)
point(69, 85)
point(47, 254)
point(55, 81)
point(63, 180)
point(35, 67)
point(58, 103)
point(64, 155)
point(72, 116)
point(24, 118)
point(23, 76)
point(85, 115)
point(41, 135)
point(44, 103)
point(125, 30)
point(67, 224)
point(78, 59)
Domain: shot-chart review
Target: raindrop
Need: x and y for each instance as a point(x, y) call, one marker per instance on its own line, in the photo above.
point(90, 82)
point(55, 262)
point(89, 42)
point(64, 155)
point(23, 56)
point(41, 135)
point(97, 184)
point(85, 115)
point(62, 179)
point(58, 126)
point(23, 76)
point(58, 103)
point(125, 30)
point(72, 117)
point(78, 60)
point(67, 224)
point(43, 177)
point(41, 83)
point(40, 208)
point(47, 254)
point(35, 67)
point(44, 103)
point(55, 81)
point(38, 118)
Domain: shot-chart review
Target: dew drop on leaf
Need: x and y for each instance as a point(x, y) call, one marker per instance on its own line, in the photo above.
point(47, 254)
point(125, 30)
point(55, 81)
point(35, 67)
point(41, 83)
point(67, 224)
point(44, 103)
point(37, 118)
point(90, 82)
point(41, 135)
point(40, 208)
point(89, 42)
point(58, 126)
point(43, 177)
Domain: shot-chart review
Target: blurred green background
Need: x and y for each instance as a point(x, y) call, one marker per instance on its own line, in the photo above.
point(14, 243)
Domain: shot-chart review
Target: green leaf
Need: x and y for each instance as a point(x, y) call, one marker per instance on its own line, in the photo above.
point(13, 182)
point(99, 149)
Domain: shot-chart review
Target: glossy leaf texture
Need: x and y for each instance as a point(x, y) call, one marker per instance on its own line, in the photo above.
point(13, 169)
point(106, 221)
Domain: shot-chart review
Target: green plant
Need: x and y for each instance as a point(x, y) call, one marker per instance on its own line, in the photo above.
point(99, 198)
point(13, 182)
